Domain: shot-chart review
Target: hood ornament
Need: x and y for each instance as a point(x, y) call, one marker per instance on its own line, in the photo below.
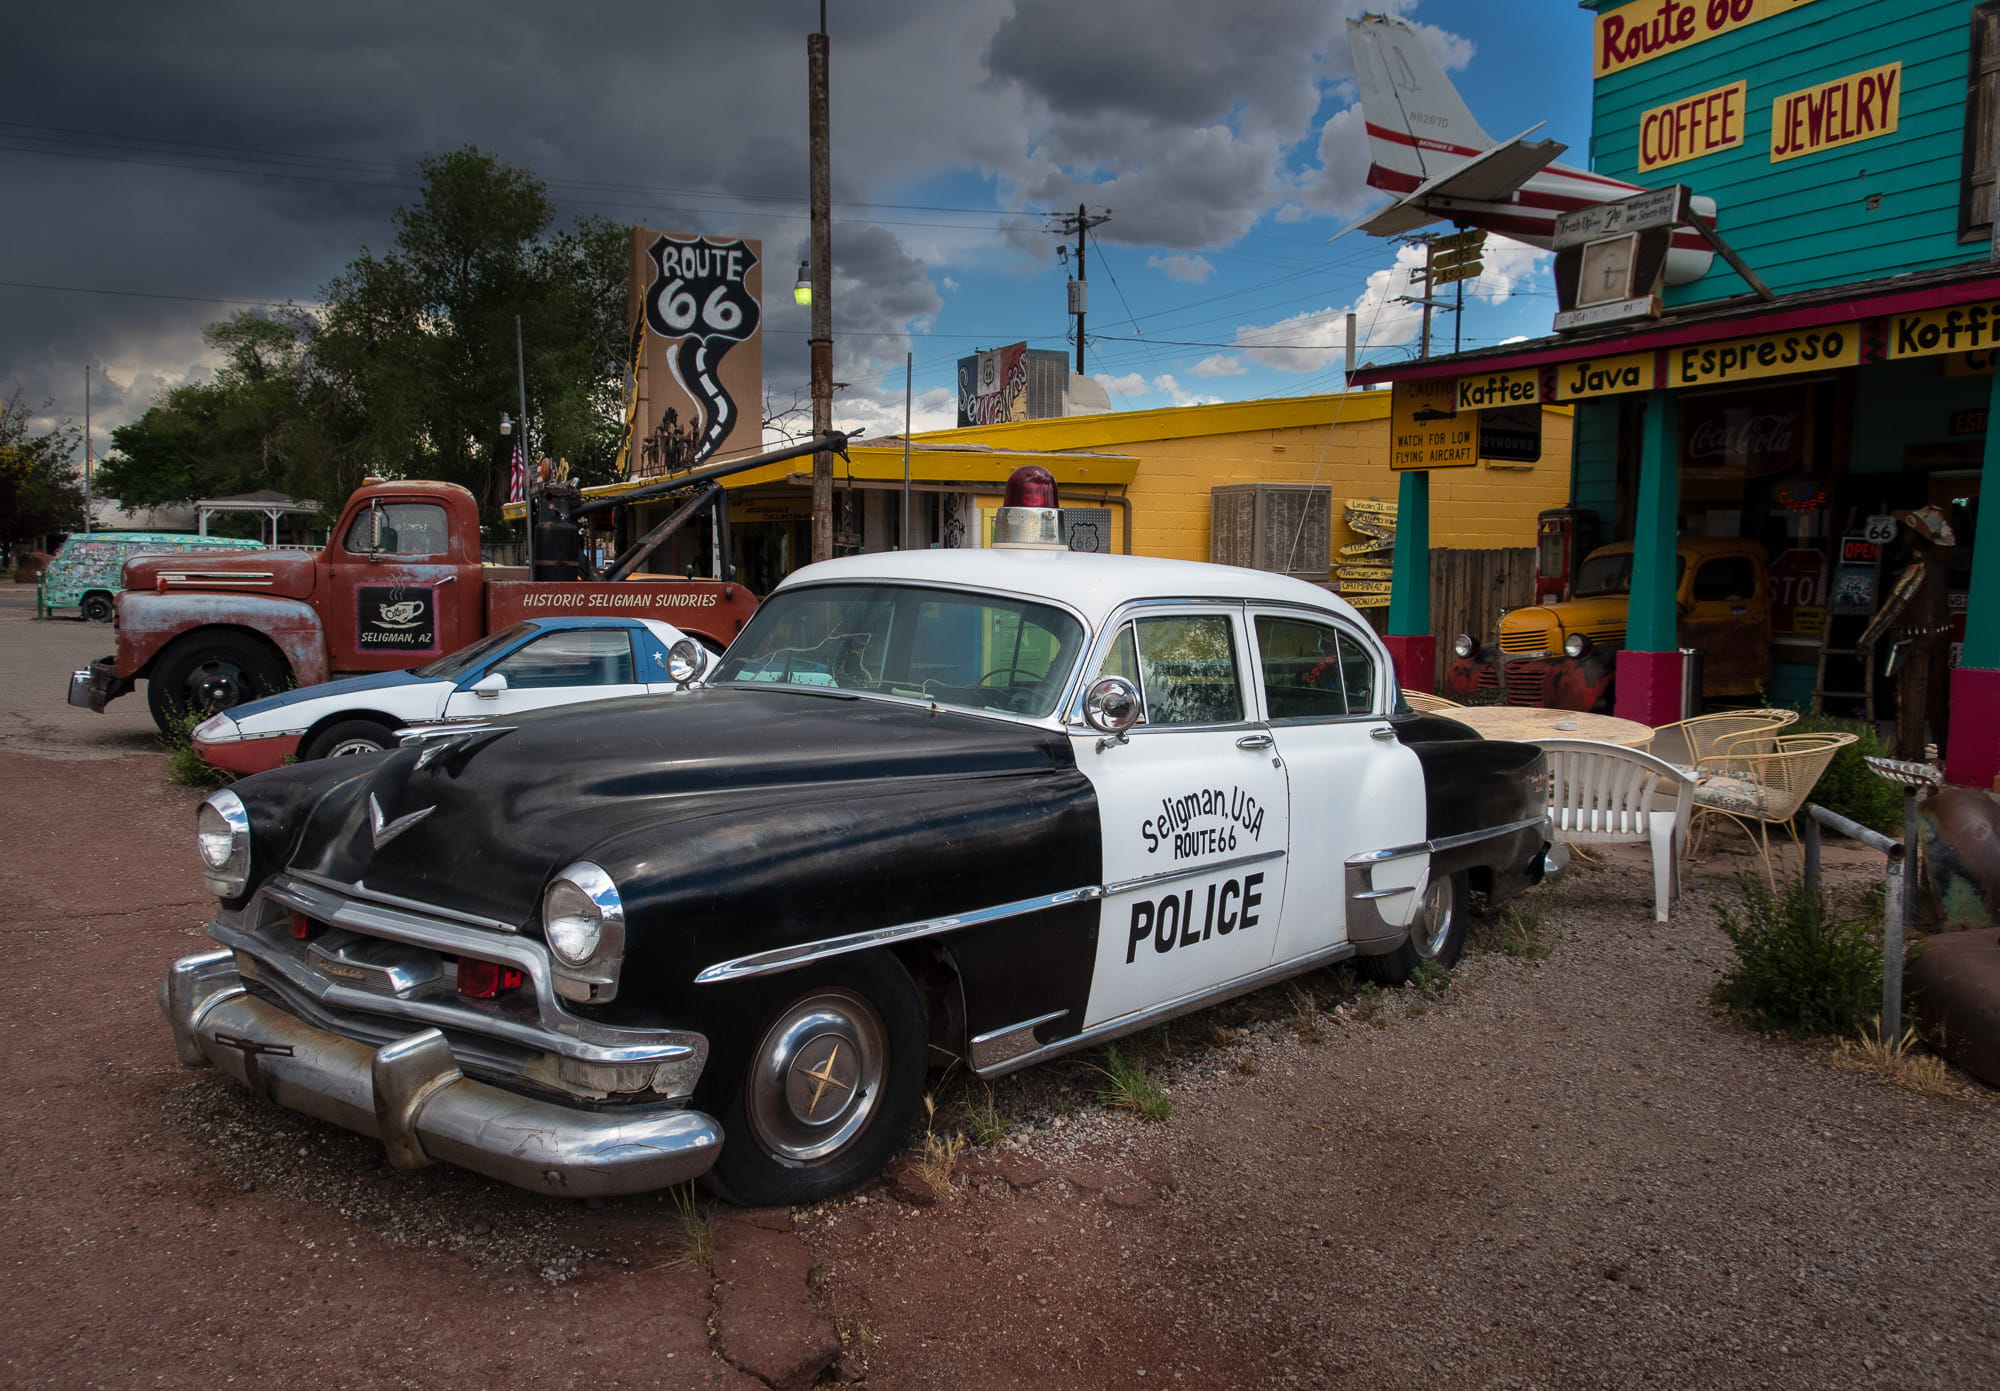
point(382, 830)
point(457, 741)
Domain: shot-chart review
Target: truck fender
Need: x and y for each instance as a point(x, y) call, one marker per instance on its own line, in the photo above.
point(145, 629)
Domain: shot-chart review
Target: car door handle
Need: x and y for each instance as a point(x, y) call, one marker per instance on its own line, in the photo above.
point(1254, 741)
point(1382, 731)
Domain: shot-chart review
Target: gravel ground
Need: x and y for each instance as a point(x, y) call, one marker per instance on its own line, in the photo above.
point(1566, 1172)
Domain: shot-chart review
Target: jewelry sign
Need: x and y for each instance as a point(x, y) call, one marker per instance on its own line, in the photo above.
point(698, 360)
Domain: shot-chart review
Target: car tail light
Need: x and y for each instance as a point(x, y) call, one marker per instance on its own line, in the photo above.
point(482, 980)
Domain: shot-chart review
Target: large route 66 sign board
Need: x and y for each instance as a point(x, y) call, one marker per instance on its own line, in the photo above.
point(697, 311)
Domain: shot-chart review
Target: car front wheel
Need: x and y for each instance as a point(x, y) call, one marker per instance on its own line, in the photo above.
point(203, 673)
point(829, 1087)
point(345, 737)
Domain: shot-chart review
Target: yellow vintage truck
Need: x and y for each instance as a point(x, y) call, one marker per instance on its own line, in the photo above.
point(1564, 655)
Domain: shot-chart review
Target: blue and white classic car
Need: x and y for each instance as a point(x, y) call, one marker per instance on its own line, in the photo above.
point(991, 805)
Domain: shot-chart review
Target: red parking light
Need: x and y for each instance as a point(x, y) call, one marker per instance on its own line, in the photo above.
point(1030, 485)
point(482, 980)
point(301, 925)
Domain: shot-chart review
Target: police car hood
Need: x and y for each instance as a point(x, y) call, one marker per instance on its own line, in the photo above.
point(483, 823)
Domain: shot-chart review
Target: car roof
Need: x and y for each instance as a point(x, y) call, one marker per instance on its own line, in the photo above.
point(1095, 585)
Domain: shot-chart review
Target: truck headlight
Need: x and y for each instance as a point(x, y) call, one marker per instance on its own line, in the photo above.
point(1463, 645)
point(1575, 645)
point(222, 837)
point(583, 922)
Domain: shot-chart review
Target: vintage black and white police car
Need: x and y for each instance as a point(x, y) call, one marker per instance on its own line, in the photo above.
point(980, 805)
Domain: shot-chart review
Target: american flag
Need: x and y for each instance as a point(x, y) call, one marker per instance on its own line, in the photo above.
point(517, 477)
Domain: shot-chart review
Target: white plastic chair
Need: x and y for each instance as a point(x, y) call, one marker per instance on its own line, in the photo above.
point(1604, 794)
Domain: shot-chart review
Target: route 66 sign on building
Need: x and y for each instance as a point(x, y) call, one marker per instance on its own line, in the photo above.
point(695, 307)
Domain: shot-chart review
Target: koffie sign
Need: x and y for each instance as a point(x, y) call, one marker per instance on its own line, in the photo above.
point(1963, 328)
point(396, 617)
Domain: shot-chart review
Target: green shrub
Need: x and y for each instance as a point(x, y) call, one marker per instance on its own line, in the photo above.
point(1800, 969)
point(1850, 786)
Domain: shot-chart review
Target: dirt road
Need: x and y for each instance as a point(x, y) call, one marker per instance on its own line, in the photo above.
point(1558, 1172)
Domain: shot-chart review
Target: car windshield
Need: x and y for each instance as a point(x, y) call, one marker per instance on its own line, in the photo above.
point(975, 651)
point(456, 664)
point(1612, 574)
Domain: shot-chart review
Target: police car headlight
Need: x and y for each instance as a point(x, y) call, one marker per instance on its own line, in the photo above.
point(222, 837)
point(1463, 645)
point(686, 660)
point(583, 922)
point(1575, 645)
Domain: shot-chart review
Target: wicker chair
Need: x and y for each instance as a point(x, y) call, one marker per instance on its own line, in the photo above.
point(1759, 788)
point(1424, 700)
point(1603, 794)
point(1706, 735)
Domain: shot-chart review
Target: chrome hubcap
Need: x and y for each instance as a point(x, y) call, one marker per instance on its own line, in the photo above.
point(353, 746)
point(817, 1076)
point(1434, 925)
point(218, 685)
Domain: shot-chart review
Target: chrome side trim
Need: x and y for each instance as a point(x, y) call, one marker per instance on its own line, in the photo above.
point(1171, 1009)
point(279, 889)
point(778, 959)
point(1147, 881)
point(1474, 837)
point(765, 963)
point(997, 1046)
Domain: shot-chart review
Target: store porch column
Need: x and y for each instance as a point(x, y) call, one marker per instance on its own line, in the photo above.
point(1412, 645)
point(1972, 749)
point(1649, 666)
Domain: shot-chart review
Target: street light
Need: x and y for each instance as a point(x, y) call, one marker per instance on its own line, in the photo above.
point(802, 289)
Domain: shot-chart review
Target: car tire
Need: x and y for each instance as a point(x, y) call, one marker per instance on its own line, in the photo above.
point(97, 607)
point(1436, 939)
point(826, 1089)
point(344, 737)
point(201, 674)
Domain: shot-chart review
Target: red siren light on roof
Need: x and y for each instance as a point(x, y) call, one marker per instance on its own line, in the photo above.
point(1031, 485)
point(1029, 518)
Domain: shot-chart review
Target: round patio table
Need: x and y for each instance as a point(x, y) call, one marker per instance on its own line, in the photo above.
point(1539, 722)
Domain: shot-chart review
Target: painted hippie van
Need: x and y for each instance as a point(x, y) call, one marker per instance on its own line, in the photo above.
point(85, 573)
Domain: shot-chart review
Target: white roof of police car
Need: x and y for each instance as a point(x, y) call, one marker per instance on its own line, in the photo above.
point(1094, 585)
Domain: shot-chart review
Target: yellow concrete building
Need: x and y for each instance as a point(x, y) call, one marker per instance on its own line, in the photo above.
point(1342, 441)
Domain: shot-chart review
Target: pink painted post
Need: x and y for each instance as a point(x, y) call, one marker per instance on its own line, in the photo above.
point(1649, 687)
point(1972, 750)
point(1415, 659)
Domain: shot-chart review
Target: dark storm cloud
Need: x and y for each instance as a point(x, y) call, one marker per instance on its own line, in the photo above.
point(258, 148)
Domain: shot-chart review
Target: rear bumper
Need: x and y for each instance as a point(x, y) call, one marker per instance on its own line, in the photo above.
point(97, 685)
point(410, 1095)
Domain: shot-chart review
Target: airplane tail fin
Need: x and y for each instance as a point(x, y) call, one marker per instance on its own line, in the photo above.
point(1419, 128)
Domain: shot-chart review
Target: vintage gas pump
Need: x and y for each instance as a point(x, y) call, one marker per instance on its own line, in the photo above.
point(1563, 537)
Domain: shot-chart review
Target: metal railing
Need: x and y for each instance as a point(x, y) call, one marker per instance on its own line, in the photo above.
point(1899, 891)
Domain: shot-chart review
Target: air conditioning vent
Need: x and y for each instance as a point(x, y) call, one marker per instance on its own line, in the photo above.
point(1282, 527)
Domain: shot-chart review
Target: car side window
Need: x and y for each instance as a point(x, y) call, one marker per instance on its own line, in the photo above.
point(580, 657)
point(1313, 671)
point(1185, 666)
point(1729, 578)
point(398, 528)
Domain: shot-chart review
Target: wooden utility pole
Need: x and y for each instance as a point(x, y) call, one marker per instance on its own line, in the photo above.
point(1079, 288)
point(821, 341)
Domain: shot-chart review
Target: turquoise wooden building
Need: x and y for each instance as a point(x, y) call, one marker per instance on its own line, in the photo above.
point(1849, 147)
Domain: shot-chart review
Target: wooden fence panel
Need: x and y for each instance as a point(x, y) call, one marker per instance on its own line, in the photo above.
point(1468, 591)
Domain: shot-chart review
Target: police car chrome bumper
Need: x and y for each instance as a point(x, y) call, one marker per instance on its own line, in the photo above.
point(410, 1095)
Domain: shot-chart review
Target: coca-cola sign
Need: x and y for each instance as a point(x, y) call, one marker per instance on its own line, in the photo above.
point(1746, 434)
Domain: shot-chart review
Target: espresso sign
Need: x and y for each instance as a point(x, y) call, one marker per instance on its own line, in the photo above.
point(1766, 355)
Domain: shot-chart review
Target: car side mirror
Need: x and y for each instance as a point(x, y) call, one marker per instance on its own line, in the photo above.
point(489, 686)
point(1111, 706)
point(688, 661)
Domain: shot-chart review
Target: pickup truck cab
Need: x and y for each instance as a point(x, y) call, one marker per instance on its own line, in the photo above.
point(1564, 655)
point(399, 583)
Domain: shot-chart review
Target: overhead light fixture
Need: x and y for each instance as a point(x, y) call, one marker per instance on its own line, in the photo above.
point(802, 290)
point(506, 423)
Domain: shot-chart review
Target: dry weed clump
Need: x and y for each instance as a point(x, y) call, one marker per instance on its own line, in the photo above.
point(940, 1157)
point(1902, 1061)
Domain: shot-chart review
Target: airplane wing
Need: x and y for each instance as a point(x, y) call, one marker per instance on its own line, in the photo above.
point(1491, 176)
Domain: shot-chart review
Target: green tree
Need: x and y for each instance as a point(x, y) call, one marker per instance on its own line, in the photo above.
point(408, 368)
point(269, 419)
point(39, 489)
point(424, 335)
